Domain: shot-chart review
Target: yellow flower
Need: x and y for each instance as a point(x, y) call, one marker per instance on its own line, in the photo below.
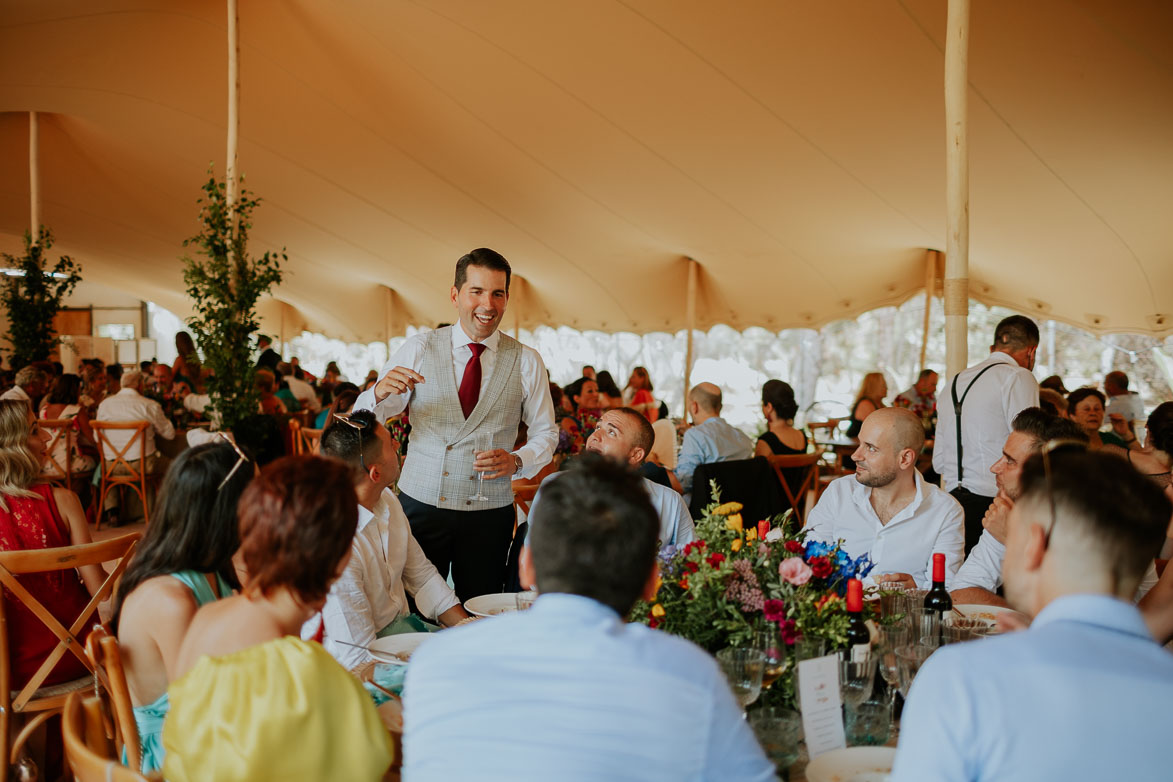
point(725, 508)
point(751, 534)
point(659, 583)
point(734, 522)
point(735, 545)
point(657, 610)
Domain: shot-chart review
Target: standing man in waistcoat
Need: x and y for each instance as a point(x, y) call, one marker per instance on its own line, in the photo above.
point(988, 395)
point(463, 382)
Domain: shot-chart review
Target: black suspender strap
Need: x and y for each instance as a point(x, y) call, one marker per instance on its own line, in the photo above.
point(957, 412)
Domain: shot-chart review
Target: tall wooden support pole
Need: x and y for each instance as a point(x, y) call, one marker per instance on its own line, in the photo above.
point(388, 315)
point(34, 176)
point(517, 304)
point(690, 324)
point(230, 184)
point(930, 289)
point(957, 187)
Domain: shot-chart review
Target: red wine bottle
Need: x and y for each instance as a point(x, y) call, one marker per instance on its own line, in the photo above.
point(858, 638)
point(937, 598)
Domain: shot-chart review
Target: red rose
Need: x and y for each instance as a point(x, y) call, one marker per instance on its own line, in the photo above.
point(693, 567)
point(794, 547)
point(715, 559)
point(700, 544)
point(820, 567)
point(654, 623)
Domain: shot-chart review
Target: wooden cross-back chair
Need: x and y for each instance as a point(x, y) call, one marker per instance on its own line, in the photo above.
point(523, 496)
point(105, 655)
point(47, 701)
point(91, 755)
point(62, 431)
point(809, 463)
point(116, 467)
point(305, 440)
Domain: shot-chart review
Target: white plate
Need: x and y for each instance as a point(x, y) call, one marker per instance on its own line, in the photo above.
point(853, 764)
point(491, 605)
point(389, 649)
point(978, 611)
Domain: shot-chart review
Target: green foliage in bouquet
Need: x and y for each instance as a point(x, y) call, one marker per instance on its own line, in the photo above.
point(730, 582)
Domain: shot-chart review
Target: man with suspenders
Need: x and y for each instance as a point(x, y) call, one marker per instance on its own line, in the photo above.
point(974, 417)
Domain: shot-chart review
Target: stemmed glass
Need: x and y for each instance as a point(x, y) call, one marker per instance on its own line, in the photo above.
point(892, 637)
point(743, 668)
point(770, 643)
point(909, 660)
point(482, 443)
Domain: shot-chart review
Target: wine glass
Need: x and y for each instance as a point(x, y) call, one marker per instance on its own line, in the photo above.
point(770, 643)
point(892, 637)
point(482, 443)
point(909, 660)
point(743, 668)
point(857, 675)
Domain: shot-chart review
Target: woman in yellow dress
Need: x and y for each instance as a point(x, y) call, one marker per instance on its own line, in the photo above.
point(253, 700)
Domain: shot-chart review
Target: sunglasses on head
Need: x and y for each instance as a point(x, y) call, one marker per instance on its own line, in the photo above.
point(241, 460)
point(345, 418)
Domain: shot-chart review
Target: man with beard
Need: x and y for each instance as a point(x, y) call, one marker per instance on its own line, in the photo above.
point(887, 510)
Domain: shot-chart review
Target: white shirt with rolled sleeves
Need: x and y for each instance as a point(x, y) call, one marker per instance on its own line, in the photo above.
point(385, 565)
point(933, 523)
point(986, 416)
point(537, 411)
point(129, 405)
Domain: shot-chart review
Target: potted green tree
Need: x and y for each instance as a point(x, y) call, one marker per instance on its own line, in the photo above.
point(33, 295)
point(225, 284)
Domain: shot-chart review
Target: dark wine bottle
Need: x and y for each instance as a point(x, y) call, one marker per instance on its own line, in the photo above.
point(858, 638)
point(937, 598)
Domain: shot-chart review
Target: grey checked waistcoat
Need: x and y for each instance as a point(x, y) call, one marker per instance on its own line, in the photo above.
point(438, 470)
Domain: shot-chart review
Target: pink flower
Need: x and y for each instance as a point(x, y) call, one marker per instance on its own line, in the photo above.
point(789, 632)
point(794, 571)
point(774, 610)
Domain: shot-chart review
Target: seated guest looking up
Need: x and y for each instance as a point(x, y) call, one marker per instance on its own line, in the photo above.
point(31, 385)
point(981, 574)
point(37, 516)
point(779, 408)
point(989, 395)
point(1087, 673)
point(183, 562)
point(1085, 406)
point(253, 700)
point(600, 699)
point(1122, 402)
point(921, 399)
point(369, 600)
point(887, 510)
point(625, 437)
point(711, 438)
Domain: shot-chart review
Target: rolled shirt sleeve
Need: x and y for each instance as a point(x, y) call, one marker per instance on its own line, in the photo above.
point(983, 567)
point(348, 617)
point(538, 414)
point(950, 542)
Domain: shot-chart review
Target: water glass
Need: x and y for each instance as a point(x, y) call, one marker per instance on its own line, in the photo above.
point(926, 627)
point(743, 668)
point(525, 600)
point(867, 723)
point(778, 732)
point(892, 605)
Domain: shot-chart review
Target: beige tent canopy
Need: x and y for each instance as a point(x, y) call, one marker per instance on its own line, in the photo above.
point(794, 149)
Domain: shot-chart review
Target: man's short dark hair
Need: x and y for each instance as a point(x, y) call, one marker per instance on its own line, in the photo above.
point(781, 396)
point(1118, 379)
point(1101, 498)
point(1042, 427)
point(1016, 333)
point(1080, 394)
point(645, 435)
point(594, 533)
point(925, 373)
point(342, 442)
point(486, 259)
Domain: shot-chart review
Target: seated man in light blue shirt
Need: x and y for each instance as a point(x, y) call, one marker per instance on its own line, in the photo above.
point(1081, 693)
point(711, 438)
point(567, 690)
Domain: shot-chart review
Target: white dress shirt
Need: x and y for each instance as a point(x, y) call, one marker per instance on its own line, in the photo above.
point(568, 691)
point(385, 562)
point(933, 523)
point(16, 392)
point(986, 415)
point(304, 393)
point(1078, 695)
point(129, 405)
point(676, 525)
point(537, 412)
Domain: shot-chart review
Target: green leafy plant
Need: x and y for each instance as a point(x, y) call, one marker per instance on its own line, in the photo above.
point(225, 284)
point(33, 295)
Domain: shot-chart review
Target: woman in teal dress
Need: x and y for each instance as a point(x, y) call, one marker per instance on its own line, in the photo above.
point(184, 562)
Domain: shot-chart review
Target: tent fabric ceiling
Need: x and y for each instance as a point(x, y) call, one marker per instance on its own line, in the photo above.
point(794, 149)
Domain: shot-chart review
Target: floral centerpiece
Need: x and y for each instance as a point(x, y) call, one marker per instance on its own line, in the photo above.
point(737, 578)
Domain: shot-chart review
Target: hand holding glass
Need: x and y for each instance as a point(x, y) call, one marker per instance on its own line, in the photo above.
point(483, 442)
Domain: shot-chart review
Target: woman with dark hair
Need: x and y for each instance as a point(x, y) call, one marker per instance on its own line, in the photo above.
point(187, 363)
point(609, 394)
point(344, 396)
point(1155, 459)
point(184, 562)
point(779, 408)
point(253, 700)
point(64, 402)
point(584, 396)
point(1085, 406)
point(638, 394)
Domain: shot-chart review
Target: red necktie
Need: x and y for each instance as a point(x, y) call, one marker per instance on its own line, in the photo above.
point(470, 384)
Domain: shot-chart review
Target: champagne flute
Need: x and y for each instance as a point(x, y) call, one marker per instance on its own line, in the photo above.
point(483, 442)
point(891, 638)
point(743, 668)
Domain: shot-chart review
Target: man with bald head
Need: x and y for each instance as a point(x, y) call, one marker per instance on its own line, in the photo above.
point(711, 438)
point(887, 510)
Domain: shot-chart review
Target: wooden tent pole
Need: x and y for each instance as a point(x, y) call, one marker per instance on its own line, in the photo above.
point(388, 315)
point(34, 177)
point(690, 324)
point(230, 185)
point(518, 285)
point(957, 187)
point(930, 287)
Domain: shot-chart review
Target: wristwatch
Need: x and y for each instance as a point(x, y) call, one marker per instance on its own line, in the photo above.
point(517, 464)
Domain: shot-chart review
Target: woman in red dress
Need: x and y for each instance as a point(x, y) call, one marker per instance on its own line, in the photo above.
point(39, 516)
